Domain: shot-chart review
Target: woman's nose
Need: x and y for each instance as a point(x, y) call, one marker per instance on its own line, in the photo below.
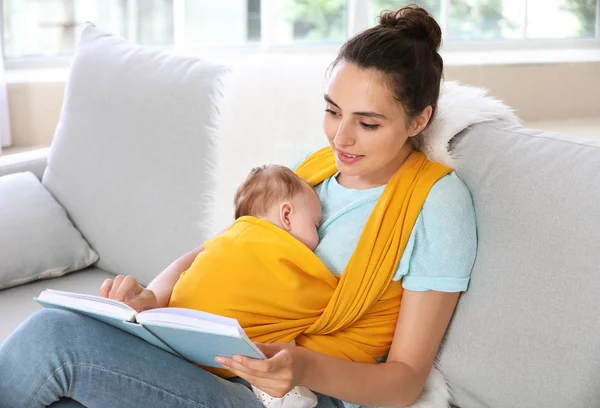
point(343, 137)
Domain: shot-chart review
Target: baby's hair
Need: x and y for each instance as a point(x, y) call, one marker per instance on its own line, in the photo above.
point(264, 187)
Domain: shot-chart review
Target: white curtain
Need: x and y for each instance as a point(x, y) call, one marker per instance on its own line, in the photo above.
point(4, 117)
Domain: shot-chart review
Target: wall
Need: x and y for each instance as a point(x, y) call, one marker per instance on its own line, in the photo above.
point(537, 91)
point(34, 111)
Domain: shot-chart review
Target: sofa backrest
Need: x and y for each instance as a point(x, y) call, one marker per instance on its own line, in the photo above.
point(526, 333)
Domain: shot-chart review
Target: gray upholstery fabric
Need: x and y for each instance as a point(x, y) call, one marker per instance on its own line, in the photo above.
point(34, 161)
point(526, 333)
point(16, 304)
point(37, 239)
point(134, 150)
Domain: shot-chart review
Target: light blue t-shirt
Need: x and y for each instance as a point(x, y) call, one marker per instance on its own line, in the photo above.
point(441, 249)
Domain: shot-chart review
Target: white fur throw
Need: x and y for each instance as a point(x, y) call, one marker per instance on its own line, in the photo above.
point(459, 107)
point(272, 112)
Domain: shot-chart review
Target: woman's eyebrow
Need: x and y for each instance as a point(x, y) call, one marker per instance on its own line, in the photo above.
point(328, 100)
point(367, 114)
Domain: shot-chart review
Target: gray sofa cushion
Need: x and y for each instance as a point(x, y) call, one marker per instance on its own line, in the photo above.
point(526, 333)
point(133, 154)
point(16, 304)
point(37, 239)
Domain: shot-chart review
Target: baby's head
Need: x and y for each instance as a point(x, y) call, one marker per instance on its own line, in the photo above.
point(274, 193)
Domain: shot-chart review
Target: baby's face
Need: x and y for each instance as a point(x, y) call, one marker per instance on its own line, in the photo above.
point(306, 218)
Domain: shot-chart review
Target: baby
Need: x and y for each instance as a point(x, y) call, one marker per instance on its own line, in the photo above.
point(278, 196)
point(275, 194)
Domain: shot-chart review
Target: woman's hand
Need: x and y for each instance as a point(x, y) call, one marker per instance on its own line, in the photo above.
point(277, 375)
point(126, 289)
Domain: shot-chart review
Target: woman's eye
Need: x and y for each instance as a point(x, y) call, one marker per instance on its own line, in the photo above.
point(369, 126)
point(331, 112)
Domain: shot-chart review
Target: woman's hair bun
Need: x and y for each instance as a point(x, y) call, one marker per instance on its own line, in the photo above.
point(413, 22)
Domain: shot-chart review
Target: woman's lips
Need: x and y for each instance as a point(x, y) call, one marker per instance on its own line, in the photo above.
point(348, 158)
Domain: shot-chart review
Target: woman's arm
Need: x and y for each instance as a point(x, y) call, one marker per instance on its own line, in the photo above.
point(163, 284)
point(422, 322)
point(128, 290)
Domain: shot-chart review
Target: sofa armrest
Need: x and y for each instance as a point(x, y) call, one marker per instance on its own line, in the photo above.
point(34, 161)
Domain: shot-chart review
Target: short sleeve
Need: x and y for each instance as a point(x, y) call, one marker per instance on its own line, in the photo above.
point(442, 247)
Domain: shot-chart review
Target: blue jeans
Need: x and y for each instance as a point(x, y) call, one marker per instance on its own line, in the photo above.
point(65, 360)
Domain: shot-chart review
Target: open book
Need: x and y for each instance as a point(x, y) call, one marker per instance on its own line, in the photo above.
point(195, 336)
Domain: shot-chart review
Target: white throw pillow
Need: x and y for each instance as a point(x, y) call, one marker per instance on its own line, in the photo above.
point(133, 156)
point(281, 125)
point(37, 239)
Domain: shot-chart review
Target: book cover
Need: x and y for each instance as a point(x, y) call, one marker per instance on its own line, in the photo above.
point(195, 336)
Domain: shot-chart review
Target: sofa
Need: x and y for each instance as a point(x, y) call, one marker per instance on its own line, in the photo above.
point(150, 147)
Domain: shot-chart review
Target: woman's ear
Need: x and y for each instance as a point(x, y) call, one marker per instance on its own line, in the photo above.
point(285, 212)
point(421, 121)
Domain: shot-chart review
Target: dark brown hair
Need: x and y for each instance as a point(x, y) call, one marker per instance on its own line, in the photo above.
point(403, 47)
point(264, 187)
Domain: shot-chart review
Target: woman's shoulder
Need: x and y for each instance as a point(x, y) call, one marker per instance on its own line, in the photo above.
point(447, 226)
point(449, 195)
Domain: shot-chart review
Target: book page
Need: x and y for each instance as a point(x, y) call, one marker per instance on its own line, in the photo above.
point(98, 304)
point(198, 315)
point(194, 319)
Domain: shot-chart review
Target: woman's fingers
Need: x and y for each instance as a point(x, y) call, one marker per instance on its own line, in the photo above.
point(275, 375)
point(248, 366)
point(128, 289)
point(116, 284)
point(271, 386)
point(124, 288)
point(237, 368)
point(106, 287)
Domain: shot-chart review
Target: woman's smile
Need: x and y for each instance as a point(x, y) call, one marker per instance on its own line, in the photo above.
point(348, 158)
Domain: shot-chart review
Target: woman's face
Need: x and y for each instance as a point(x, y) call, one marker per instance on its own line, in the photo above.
point(366, 127)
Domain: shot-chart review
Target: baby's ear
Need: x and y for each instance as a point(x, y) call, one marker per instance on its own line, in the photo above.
point(285, 213)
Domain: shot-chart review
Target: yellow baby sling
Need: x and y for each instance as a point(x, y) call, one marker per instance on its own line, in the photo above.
point(280, 291)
